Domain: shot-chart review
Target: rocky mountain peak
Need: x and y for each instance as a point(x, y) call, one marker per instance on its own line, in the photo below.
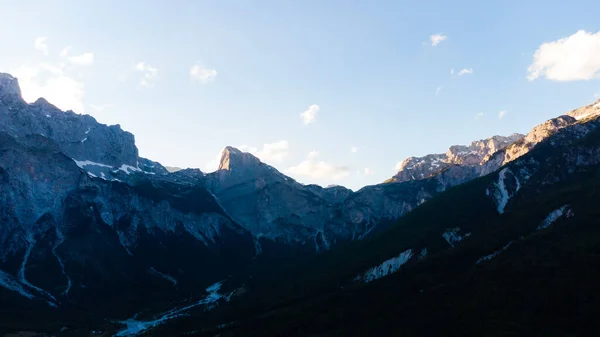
point(232, 158)
point(587, 111)
point(475, 154)
point(9, 87)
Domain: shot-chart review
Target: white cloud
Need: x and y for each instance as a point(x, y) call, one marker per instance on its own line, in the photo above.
point(65, 51)
point(437, 39)
point(51, 83)
point(465, 71)
point(367, 171)
point(310, 114)
point(452, 71)
point(438, 90)
point(273, 152)
point(202, 74)
point(573, 58)
point(478, 115)
point(313, 154)
point(354, 149)
point(86, 59)
point(318, 169)
point(40, 44)
point(149, 74)
point(502, 114)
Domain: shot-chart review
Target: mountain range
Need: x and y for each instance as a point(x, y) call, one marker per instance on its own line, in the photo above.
point(95, 239)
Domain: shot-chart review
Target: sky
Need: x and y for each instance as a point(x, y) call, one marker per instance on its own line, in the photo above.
point(328, 92)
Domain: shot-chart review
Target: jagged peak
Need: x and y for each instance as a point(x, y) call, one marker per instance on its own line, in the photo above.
point(9, 87)
point(232, 157)
point(43, 103)
point(416, 168)
point(591, 110)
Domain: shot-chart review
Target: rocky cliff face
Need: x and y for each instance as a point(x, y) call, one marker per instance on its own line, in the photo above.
point(70, 239)
point(73, 235)
point(96, 147)
point(266, 202)
point(539, 134)
point(415, 168)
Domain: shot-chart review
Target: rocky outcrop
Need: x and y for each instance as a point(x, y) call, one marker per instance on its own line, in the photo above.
point(415, 168)
point(70, 239)
point(333, 194)
point(540, 133)
point(265, 201)
point(98, 147)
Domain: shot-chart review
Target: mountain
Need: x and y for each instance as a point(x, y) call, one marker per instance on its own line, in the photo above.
point(94, 237)
point(474, 155)
point(89, 229)
point(105, 151)
point(509, 253)
point(267, 203)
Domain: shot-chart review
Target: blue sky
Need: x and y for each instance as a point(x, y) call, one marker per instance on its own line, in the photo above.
point(190, 77)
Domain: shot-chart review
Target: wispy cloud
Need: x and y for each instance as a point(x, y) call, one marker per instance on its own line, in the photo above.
point(149, 74)
point(354, 149)
point(41, 45)
point(202, 74)
point(367, 171)
point(65, 51)
point(502, 114)
point(478, 115)
point(86, 59)
point(438, 90)
point(310, 115)
point(437, 39)
point(576, 57)
point(313, 168)
point(465, 71)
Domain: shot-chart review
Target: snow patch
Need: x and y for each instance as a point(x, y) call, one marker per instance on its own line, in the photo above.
point(87, 131)
point(126, 168)
point(123, 241)
point(135, 327)
point(452, 237)
point(554, 215)
point(423, 254)
point(325, 243)
point(48, 116)
point(494, 254)
point(83, 140)
point(60, 238)
point(164, 276)
point(387, 267)
point(9, 282)
point(21, 275)
point(501, 195)
point(257, 245)
point(84, 163)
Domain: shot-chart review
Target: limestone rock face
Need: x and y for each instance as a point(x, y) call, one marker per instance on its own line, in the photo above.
point(415, 168)
point(265, 201)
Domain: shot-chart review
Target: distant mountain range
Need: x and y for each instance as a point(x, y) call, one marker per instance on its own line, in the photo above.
point(94, 237)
